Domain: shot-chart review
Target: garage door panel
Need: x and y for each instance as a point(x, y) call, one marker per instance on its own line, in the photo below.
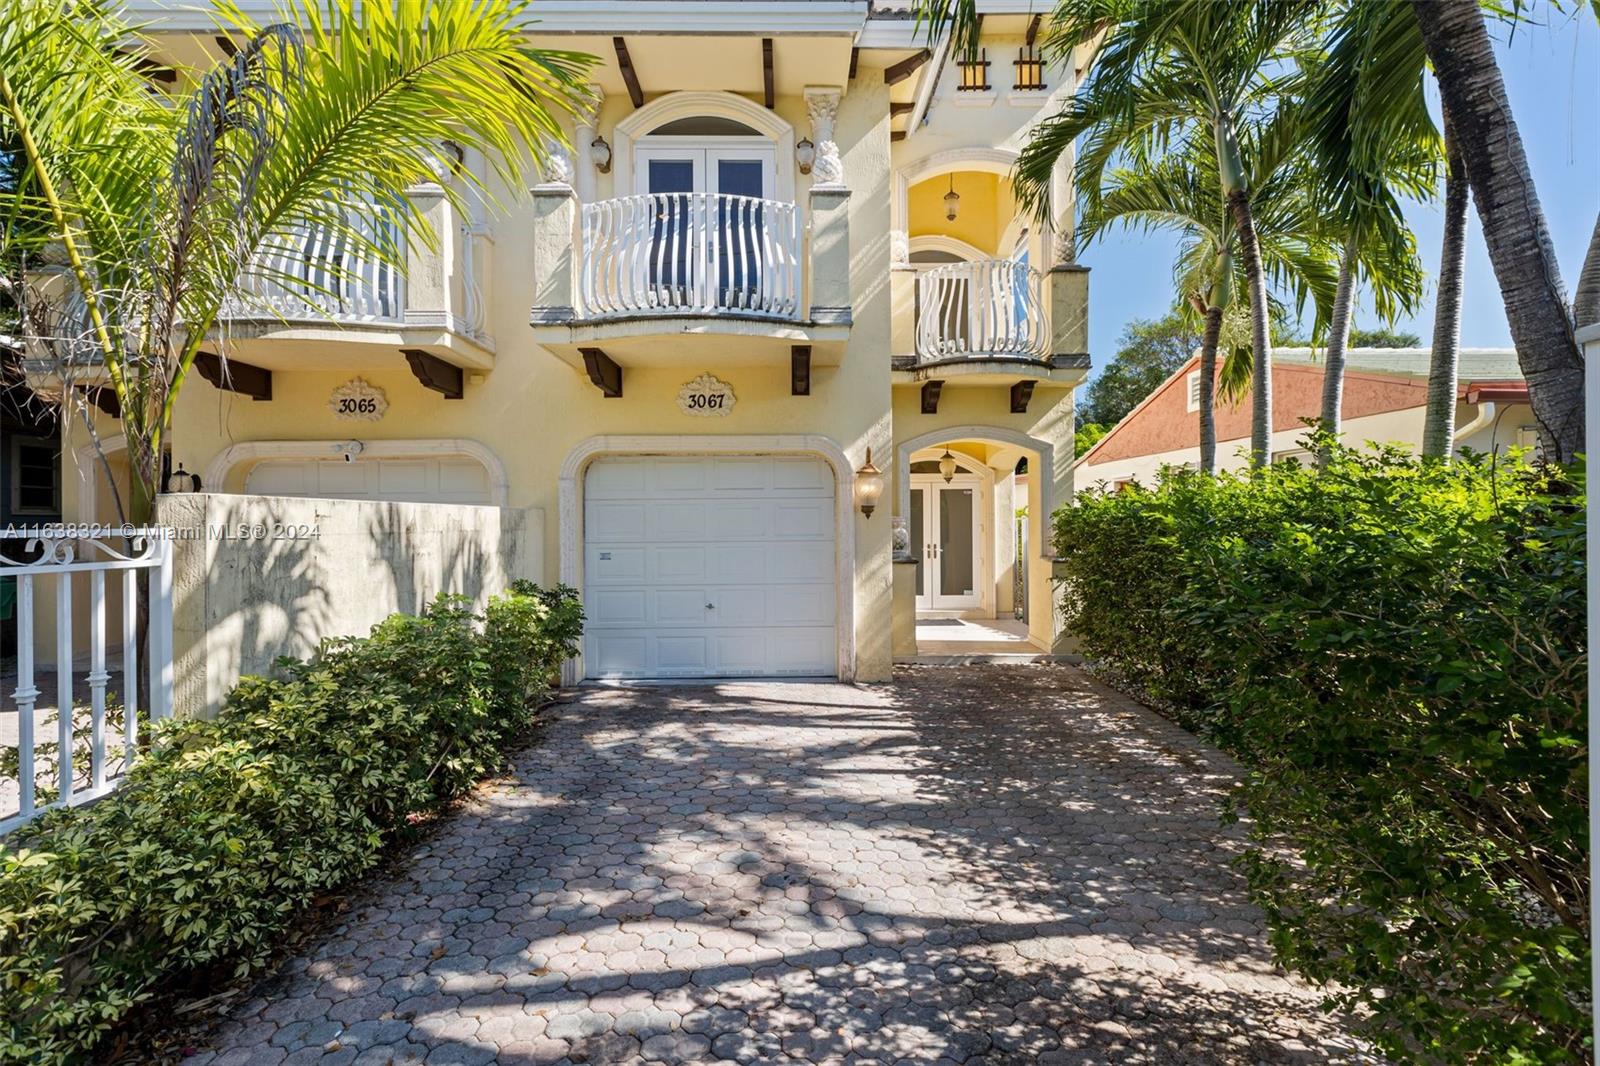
point(420, 480)
point(609, 607)
point(740, 519)
point(680, 606)
point(615, 522)
point(751, 536)
point(803, 519)
point(676, 521)
point(677, 564)
point(612, 566)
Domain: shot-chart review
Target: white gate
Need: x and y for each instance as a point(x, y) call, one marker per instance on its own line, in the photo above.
point(44, 566)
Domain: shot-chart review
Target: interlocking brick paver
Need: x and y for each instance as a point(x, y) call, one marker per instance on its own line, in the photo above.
point(979, 864)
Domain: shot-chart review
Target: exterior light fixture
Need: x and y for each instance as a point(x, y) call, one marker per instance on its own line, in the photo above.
point(952, 201)
point(600, 152)
point(180, 481)
point(805, 154)
point(947, 466)
point(869, 486)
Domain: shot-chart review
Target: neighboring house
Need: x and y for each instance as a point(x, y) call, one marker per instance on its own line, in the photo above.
point(785, 240)
point(1385, 393)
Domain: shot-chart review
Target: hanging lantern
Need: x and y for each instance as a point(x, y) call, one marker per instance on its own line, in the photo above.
point(947, 466)
point(952, 201)
point(869, 486)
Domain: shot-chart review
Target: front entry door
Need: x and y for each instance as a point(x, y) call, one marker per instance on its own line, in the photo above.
point(946, 538)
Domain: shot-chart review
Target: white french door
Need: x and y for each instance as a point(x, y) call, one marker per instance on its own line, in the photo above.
point(709, 244)
point(947, 541)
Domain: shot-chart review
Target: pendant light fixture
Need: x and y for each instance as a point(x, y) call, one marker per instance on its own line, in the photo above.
point(947, 466)
point(952, 200)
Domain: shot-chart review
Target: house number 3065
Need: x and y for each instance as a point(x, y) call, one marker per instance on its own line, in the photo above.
point(364, 405)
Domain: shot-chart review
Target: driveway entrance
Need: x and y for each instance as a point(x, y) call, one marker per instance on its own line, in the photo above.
point(1005, 864)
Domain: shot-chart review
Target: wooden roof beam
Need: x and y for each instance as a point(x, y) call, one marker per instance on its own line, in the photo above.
point(905, 68)
point(769, 91)
point(630, 77)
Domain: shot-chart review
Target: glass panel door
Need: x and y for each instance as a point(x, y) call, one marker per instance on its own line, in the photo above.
point(670, 176)
point(740, 226)
point(958, 543)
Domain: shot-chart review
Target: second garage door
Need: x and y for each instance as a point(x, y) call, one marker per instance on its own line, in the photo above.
point(709, 566)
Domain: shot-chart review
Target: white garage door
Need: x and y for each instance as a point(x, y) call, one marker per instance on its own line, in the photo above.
point(444, 480)
point(709, 566)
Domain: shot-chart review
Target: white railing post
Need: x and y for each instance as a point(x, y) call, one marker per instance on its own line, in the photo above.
point(161, 680)
point(97, 679)
point(130, 666)
point(64, 684)
point(26, 695)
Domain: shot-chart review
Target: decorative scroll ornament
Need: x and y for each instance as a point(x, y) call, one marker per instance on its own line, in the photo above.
point(359, 401)
point(557, 165)
point(899, 247)
point(707, 396)
point(822, 105)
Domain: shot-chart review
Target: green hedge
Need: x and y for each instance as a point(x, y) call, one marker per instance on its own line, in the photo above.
point(229, 827)
point(1396, 651)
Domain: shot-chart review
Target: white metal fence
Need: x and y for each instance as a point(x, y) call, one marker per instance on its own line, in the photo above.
point(68, 570)
point(988, 308)
point(690, 252)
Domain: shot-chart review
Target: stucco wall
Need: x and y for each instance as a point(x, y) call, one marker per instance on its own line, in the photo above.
point(532, 409)
point(256, 577)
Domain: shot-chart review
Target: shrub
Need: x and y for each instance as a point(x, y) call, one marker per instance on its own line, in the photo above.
point(228, 827)
point(1396, 652)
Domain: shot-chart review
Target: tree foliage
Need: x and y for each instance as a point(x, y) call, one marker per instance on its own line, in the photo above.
point(148, 211)
point(1395, 649)
point(1148, 352)
point(227, 828)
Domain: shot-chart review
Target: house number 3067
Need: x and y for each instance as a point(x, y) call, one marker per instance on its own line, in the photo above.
point(707, 403)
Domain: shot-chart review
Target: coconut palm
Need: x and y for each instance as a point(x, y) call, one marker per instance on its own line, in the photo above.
point(1457, 42)
point(1439, 417)
point(1369, 132)
point(1165, 70)
point(1180, 193)
point(154, 209)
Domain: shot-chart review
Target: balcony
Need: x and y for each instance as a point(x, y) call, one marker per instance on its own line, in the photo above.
point(690, 254)
point(677, 279)
point(988, 322)
point(311, 287)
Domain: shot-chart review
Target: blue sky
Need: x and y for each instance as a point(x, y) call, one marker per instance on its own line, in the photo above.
point(1552, 74)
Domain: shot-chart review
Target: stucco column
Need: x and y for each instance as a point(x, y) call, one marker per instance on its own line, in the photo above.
point(429, 271)
point(1069, 309)
point(1062, 210)
point(830, 255)
point(588, 129)
point(555, 252)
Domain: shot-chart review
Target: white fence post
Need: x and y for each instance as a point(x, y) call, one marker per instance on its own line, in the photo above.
point(59, 554)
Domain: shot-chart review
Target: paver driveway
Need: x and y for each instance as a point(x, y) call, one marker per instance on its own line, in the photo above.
point(999, 864)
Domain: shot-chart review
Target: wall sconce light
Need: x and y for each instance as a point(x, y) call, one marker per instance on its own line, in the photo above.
point(952, 201)
point(600, 152)
point(869, 486)
point(947, 466)
point(180, 480)
point(805, 154)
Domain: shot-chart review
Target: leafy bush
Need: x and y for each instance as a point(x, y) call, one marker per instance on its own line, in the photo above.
point(1396, 651)
point(228, 827)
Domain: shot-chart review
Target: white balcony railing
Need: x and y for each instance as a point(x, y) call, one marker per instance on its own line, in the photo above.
point(987, 309)
point(318, 275)
point(689, 253)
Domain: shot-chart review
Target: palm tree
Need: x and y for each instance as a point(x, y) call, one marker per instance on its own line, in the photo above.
point(1369, 131)
point(1439, 419)
point(1180, 193)
point(1167, 69)
point(1474, 95)
point(153, 210)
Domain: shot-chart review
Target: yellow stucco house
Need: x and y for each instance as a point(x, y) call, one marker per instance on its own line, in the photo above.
point(783, 240)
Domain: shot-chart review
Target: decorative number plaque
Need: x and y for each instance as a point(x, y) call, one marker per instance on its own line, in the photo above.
point(357, 400)
point(706, 397)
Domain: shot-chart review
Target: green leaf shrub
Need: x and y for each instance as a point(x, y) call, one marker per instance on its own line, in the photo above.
point(1395, 650)
point(227, 828)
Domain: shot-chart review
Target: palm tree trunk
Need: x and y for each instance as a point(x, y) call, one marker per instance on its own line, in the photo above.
point(1208, 390)
point(1586, 301)
point(1260, 340)
point(1439, 421)
point(1514, 226)
point(1338, 341)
